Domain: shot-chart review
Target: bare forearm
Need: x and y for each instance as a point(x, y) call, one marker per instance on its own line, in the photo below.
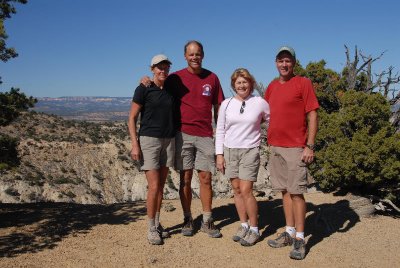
point(132, 121)
point(312, 126)
point(132, 130)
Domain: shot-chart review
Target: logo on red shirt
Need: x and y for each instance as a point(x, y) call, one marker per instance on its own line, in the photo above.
point(206, 90)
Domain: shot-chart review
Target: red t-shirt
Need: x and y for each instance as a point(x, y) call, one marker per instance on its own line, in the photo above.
point(289, 103)
point(195, 94)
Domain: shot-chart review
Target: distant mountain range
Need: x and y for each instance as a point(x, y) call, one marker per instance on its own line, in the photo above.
point(103, 109)
point(86, 108)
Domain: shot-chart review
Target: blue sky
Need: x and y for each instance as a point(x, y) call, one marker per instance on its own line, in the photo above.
point(102, 48)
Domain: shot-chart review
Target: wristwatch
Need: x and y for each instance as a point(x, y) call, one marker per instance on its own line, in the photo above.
point(311, 146)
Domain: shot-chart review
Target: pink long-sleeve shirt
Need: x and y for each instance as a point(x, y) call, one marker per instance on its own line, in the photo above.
point(240, 130)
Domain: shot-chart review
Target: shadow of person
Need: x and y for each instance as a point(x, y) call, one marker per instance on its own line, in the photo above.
point(322, 220)
point(270, 216)
point(42, 225)
point(224, 215)
point(327, 219)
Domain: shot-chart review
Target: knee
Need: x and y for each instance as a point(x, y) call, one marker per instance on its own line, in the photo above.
point(205, 182)
point(185, 183)
point(246, 193)
point(236, 191)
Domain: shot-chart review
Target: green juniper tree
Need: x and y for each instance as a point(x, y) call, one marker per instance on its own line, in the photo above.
point(13, 102)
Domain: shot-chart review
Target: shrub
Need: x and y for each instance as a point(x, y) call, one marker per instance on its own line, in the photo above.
point(8, 151)
point(357, 148)
point(11, 191)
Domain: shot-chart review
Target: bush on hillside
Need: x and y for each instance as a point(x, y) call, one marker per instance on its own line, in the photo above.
point(357, 148)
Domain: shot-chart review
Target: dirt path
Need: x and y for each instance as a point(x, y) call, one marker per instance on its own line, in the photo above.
point(70, 235)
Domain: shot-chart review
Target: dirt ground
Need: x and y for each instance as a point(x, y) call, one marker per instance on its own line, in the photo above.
point(72, 235)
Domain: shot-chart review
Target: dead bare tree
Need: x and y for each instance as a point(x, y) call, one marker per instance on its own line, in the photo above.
point(383, 81)
point(371, 85)
point(353, 69)
point(395, 99)
point(385, 86)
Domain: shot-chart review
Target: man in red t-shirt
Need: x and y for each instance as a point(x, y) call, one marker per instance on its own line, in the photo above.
point(291, 136)
point(197, 91)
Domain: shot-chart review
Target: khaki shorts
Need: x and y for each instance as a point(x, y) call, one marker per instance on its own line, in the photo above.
point(242, 163)
point(193, 152)
point(288, 172)
point(157, 152)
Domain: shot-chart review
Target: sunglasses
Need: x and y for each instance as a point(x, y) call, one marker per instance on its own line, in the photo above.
point(242, 107)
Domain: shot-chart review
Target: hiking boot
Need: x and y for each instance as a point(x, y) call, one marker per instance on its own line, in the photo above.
point(187, 228)
point(240, 233)
point(209, 228)
point(163, 233)
point(154, 237)
point(283, 240)
point(299, 249)
point(250, 239)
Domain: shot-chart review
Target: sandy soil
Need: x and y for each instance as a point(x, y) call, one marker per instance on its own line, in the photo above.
point(71, 235)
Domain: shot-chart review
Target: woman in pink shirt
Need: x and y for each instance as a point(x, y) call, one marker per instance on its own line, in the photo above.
point(238, 137)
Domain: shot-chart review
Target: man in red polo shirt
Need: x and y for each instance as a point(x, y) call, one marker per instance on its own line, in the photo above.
point(291, 136)
point(197, 91)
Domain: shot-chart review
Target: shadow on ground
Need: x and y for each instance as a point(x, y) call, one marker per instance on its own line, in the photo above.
point(322, 220)
point(39, 226)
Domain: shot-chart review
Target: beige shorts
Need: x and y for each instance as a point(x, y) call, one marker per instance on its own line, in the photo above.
point(193, 152)
point(242, 163)
point(288, 172)
point(157, 152)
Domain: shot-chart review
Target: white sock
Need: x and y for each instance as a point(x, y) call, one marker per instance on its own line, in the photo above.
point(300, 235)
point(291, 230)
point(245, 225)
point(254, 229)
point(157, 219)
point(206, 216)
point(151, 223)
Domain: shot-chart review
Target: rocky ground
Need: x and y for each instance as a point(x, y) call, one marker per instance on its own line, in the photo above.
point(77, 235)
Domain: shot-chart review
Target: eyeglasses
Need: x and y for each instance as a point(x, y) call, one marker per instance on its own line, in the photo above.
point(242, 107)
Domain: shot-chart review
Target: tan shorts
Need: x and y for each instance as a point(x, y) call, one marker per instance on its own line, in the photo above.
point(193, 152)
point(288, 172)
point(157, 152)
point(242, 163)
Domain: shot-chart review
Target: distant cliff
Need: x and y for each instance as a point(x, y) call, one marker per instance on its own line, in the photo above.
point(95, 109)
point(83, 162)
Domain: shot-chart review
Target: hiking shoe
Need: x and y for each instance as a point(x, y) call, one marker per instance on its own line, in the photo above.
point(250, 239)
point(154, 237)
point(209, 228)
point(299, 249)
point(187, 228)
point(283, 240)
point(163, 233)
point(240, 233)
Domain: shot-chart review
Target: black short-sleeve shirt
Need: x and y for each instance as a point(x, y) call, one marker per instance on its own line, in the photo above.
point(157, 113)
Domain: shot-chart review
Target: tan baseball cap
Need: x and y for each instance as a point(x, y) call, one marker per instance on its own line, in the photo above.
point(159, 58)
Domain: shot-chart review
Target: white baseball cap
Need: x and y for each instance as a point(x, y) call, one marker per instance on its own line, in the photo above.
point(159, 58)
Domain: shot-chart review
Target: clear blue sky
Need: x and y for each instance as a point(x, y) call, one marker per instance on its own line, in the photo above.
point(102, 48)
